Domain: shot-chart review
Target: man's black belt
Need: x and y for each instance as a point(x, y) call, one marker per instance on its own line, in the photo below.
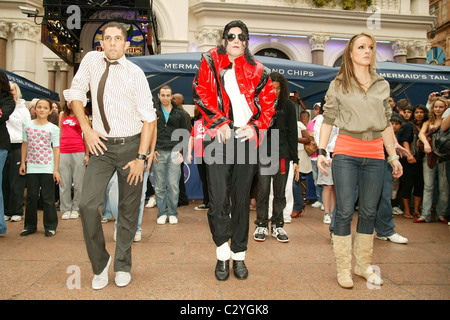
point(122, 140)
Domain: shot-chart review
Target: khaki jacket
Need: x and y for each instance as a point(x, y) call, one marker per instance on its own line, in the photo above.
point(362, 115)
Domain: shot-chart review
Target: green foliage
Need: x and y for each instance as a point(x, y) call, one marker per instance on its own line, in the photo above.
point(346, 4)
point(320, 3)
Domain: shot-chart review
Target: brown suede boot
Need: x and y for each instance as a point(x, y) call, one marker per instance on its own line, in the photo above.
point(342, 246)
point(363, 249)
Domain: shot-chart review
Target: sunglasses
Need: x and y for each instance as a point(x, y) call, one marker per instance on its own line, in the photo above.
point(232, 36)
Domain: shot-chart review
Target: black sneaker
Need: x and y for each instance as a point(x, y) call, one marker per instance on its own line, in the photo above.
point(202, 207)
point(50, 233)
point(280, 234)
point(260, 234)
point(26, 232)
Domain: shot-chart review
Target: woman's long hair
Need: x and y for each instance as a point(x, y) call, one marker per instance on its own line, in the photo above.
point(284, 88)
point(347, 69)
point(65, 109)
point(431, 114)
point(18, 91)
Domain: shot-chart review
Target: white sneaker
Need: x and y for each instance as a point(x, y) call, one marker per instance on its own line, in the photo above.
point(173, 219)
point(16, 218)
point(74, 214)
point(100, 281)
point(122, 278)
point(327, 218)
point(396, 238)
point(162, 219)
point(137, 236)
point(397, 211)
point(316, 204)
point(66, 215)
point(322, 208)
point(151, 203)
point(7, 218)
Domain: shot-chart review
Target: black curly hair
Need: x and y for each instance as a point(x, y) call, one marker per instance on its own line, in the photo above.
point(284, 87)
point(4, 84)
point(239, 24)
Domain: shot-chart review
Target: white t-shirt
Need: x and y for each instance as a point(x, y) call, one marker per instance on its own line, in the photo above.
point(41, 141)
point(16, 120)
point(241, 110)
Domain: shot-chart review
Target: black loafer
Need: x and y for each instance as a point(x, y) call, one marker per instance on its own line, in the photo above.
point(239, 269)
point(26, 232)
point(222, 270)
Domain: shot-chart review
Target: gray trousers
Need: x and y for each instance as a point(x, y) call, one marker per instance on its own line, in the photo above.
point(71, 169)
point(99, 171)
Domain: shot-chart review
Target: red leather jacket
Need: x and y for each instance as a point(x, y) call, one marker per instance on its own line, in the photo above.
point(213, 102)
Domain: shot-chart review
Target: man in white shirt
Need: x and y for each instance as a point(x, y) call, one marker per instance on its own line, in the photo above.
point(122, 124)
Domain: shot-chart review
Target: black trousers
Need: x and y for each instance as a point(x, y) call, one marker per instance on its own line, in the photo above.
point(230, 176)
point(99, 171)
point(13, 183)
point(204, 178)
point(43, 182)
point(183, 199)
point(279, 195)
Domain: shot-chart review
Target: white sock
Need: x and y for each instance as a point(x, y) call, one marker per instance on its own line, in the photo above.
point(223, 252)
point(238, 255)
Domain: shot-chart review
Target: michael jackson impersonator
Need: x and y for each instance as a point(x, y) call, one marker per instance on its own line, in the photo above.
point(235, 95)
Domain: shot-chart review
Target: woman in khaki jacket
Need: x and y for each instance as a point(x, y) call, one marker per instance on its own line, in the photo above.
point(358, 104)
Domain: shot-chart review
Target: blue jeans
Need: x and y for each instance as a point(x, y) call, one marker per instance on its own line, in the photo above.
point(384, 223)
point(110, 206)
point(365, 174)
point(429, 179)
point(298, 194)
point(3, 155)
point(315, 173)
point(167, 181)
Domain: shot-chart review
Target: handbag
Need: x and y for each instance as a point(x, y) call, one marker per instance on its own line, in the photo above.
point(311, 147)
point(432, 158)
point(441, 144)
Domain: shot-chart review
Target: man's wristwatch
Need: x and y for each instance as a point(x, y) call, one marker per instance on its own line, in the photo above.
point(141, 156)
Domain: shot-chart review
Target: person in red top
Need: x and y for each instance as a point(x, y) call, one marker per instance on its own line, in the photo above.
point(235, 95)
point(196, 145)
point(73, 159)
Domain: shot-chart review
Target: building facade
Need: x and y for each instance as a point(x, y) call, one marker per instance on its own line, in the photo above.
point(440, 35)
point(304, 30)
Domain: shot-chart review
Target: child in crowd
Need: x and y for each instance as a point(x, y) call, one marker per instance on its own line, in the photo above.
point(40, 152)
point(411, 182)
point(326, 179)
point(396, 122)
